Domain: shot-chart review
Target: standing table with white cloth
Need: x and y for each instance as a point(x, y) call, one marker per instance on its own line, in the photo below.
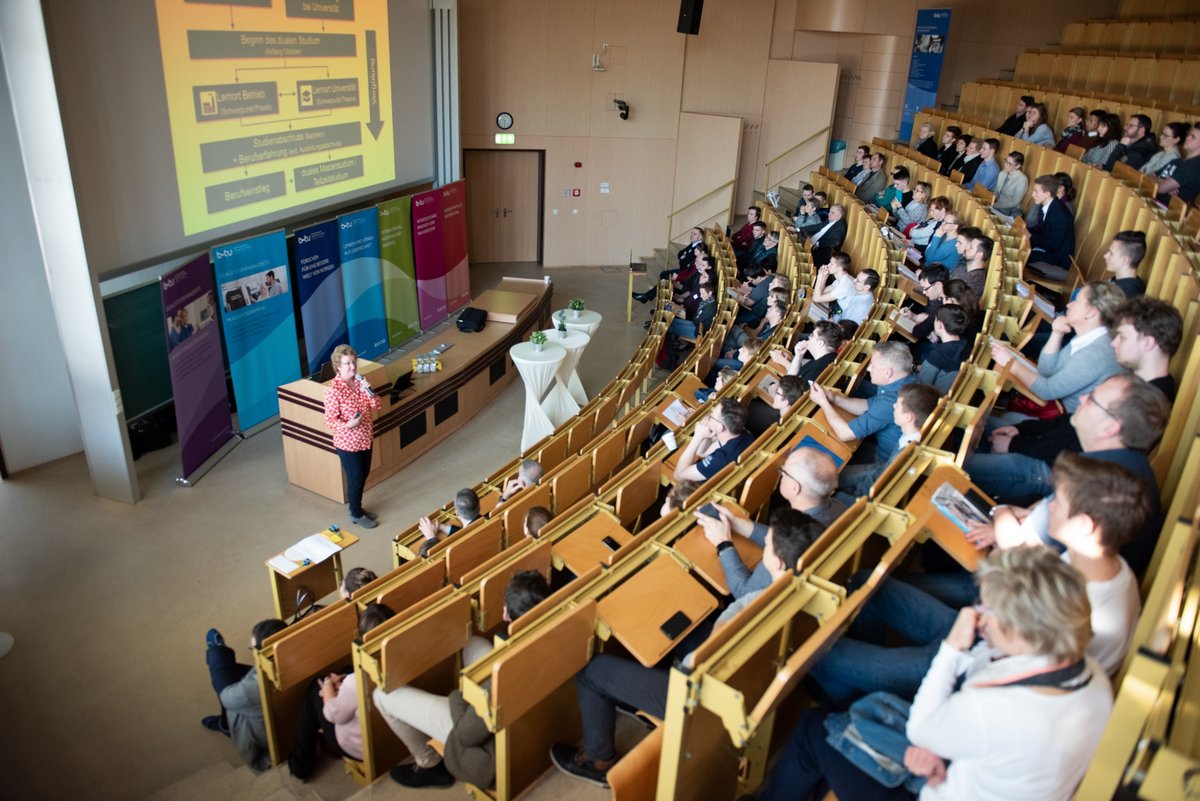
point(587, 322)
point(560, 405)
point(537, 370)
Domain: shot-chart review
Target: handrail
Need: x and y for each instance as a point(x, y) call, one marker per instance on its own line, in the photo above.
point(789, 151)
point(671, 217)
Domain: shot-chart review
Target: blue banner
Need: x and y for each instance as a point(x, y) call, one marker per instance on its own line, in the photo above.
point(362, 281)
point(925, 69)
point(260, 328)
point(322, 303)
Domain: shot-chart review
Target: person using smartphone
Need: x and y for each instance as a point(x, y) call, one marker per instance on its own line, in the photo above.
point(349, 402)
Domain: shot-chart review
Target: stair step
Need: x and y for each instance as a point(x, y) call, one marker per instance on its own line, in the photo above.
point(269, 786)
point(219, 780)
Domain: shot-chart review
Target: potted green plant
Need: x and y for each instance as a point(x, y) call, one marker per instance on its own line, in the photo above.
point(538, 338)
point(562, 325)
point(576, 306)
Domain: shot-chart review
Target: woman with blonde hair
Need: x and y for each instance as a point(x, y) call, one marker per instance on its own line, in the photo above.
point(349, 401)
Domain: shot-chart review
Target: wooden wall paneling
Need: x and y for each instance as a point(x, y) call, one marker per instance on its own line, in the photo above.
point(718, 77)
point(714, 141)
point(800, 99)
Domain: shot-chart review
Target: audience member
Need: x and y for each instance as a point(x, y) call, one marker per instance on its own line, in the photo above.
point(466, 507)
point(811, 355)
point(926, 145)
point(1104, 147)
point(1181, 178)
point(236, 686)
point(943, 359)
point(975, 249)
point(741, 579)
point(535, 519)
point(1074, 133)
point(1066, 373)
point(677, 496)
point(1122, 258)
point(943, 247)
point(717, 440)
point(528, 475)
point(962, 147)
point(1137, 143)
point(417, 716)
point(889, 369)
point(857, 307)
point(897, 190)
point(921, 233)
point(1146, 334)
point(989, 171)
point(1121, 414)
point(912, 407)
point(1051, 232)
point(355, 579)
point(761, 415)
point(331, 709)
point(745, 235)
point(995, 719)
point(862, 155)
point(1013, 125)
point(1035, 128)
point(829, 237)
point(1169, 141)
point(970, 161)
point(610, 680)
point(1011, 185)
point(873, 179)
point(932, 278)
point(916, 210)
point(949, 150)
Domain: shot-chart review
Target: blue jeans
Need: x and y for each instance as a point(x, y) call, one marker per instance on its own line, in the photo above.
point(809, 763)
point(682, 328)
point(855, 667)
point(356, 465)
point(1010, 475)
point(956, 590)
point(879, 722)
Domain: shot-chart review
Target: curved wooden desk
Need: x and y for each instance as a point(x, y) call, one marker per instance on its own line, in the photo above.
point(437, 405)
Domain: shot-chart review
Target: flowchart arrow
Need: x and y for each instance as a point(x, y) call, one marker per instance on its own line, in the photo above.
point(376, 124)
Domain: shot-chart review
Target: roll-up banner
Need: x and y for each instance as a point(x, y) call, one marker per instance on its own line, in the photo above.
point(428, 252)
point(399, 274)
point(454, 245)
point(362, 281)
point(194, 358)
point(260, 328)
point(322, 302)
point(925, 68)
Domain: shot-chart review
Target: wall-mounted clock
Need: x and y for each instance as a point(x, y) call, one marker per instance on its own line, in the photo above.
point(504, 120)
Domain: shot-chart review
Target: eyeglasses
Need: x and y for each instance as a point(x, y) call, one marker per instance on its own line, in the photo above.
point(784, 472)
point(1091, 398)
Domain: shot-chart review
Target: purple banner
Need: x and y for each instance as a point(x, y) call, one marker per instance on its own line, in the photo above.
point(454, 245)
point(194, 356)
point(429, 257)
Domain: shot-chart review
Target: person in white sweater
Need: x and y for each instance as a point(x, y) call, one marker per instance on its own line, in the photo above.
point(1015, 716)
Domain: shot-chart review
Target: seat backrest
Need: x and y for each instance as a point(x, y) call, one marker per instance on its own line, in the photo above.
point(423, 642)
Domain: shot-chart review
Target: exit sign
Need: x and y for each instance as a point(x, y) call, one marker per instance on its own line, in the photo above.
point(506, 139)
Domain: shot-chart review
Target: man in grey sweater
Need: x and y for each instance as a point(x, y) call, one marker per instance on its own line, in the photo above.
point(807, 481)
point(236, 685)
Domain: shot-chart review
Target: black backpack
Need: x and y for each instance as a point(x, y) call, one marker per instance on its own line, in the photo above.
point(471, 319)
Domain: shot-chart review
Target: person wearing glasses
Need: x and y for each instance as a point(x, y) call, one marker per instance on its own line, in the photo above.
point(349, 403)
point(1011, 705)
point(943, 247)
point(718, 440)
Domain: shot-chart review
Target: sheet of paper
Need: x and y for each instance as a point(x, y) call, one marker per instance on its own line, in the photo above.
point(284, 565)
point(676, 413)
point(315, 548)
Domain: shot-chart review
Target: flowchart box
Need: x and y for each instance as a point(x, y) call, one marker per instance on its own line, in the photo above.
point(326, 93)
point(310, 176)
point(247, 150)
point(234, 100)
point(245, 191)
point(269, 44)
point(321, 9)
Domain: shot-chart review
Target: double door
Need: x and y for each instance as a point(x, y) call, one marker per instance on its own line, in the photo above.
point(504, 204)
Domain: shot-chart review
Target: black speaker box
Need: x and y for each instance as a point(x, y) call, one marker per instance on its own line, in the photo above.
point(689, 16)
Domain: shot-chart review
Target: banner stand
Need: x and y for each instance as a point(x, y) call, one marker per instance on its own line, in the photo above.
point(209, 463)
point(259, 427)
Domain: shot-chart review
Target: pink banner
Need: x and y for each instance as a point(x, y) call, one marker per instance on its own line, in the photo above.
point(428, 253)
point(454, 245)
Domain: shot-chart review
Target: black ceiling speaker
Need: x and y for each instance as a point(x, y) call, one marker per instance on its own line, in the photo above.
point(689, 16)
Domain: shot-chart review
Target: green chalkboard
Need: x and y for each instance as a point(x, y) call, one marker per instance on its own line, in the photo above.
point(139, 345)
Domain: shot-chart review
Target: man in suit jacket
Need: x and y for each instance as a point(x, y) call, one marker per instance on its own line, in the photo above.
point(1052, 233)
point(830, 237)
point(970, 163)
point(1014, 123)
point(949, 151)
point(875, 181)
point(926, 144)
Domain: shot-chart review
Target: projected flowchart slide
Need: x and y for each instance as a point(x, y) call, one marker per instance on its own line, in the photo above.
point(274, 103)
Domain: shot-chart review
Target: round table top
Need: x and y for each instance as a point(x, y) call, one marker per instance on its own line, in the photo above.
point(586, 317)
point(575, 338)
point(550, 353)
